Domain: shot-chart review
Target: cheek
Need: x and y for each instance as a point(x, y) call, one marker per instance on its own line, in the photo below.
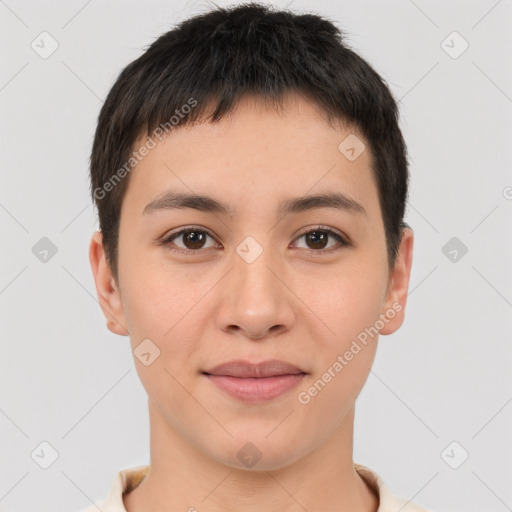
point(349, 306)
point(345, 300)
point(332, 392)
point(155, 298)
point(355, 310)
point(166, 309)
point(162, 313)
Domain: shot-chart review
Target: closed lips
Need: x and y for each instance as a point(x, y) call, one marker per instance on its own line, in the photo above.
point(244, 369)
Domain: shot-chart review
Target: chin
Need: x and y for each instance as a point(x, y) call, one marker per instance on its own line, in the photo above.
point(257, 453)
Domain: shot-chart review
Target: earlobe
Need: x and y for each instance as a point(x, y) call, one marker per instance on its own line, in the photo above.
point(394, 307)
point(109, 295)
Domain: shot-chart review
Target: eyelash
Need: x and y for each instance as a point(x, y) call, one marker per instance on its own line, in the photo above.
point(331, 233)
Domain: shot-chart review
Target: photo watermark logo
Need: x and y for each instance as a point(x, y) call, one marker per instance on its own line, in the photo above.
point(304, 397)
point(158, 133)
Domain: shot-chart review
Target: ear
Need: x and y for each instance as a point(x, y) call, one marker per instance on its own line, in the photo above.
point(108, 293)
point(398, 285)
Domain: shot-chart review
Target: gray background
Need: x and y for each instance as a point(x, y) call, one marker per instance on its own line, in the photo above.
point(443, 377)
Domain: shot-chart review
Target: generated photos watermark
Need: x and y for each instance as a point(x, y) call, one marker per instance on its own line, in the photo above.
point(304, 397)
point(158, 133)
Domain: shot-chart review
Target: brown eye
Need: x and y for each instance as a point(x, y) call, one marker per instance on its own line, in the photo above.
point(318, 240)
point(191, 239)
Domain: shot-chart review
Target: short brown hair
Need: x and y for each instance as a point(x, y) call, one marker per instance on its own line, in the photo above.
point(224, 54)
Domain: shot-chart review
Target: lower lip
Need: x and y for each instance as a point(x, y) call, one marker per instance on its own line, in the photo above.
point(256, 390)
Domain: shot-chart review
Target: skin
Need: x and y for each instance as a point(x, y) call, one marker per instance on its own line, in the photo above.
point(293, 303)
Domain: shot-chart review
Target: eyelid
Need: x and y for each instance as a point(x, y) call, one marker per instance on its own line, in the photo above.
point(168, 238)
point(343, 240)
point(321, 227)
point(192, 227)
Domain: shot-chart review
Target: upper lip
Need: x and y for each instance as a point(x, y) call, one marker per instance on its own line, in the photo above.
point(245, 369)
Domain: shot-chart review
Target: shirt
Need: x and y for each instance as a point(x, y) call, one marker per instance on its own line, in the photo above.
point(126, 480)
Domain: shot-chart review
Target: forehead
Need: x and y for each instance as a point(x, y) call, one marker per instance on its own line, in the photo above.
point(254, 156)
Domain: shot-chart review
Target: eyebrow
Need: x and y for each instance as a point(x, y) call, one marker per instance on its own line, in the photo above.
point(179, 200)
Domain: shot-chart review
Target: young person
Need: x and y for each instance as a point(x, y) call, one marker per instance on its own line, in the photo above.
point(251, 179)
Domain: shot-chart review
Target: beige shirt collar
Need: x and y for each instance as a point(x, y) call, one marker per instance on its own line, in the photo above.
point(126, 480)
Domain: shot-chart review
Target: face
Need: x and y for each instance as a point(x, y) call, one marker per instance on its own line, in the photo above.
point(308, 285)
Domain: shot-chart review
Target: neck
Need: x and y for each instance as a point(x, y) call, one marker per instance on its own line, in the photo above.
point(181, 477)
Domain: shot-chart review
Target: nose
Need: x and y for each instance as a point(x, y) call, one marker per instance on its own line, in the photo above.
point(256, 301)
